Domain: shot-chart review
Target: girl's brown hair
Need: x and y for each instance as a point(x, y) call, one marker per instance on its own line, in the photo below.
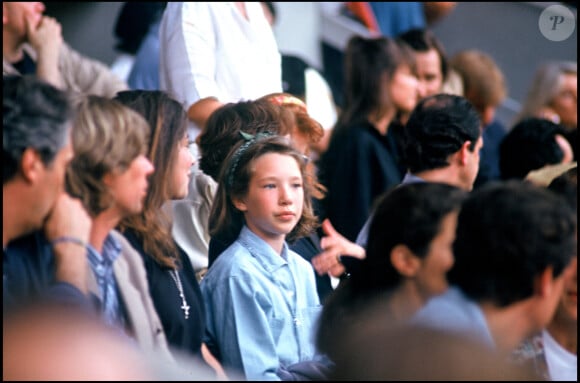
point(168, 127)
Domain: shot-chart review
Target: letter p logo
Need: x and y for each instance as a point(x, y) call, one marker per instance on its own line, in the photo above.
point(557, 22)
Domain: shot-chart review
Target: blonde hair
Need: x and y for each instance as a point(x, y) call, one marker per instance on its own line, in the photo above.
point(106, 137)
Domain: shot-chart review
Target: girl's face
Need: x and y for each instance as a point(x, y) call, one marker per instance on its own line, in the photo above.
point(405, 90)
point(431, 277)
point(129, 188)
point(182, 170)
point(275, 197)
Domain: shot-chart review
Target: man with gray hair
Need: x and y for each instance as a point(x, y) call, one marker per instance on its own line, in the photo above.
point(36, 148)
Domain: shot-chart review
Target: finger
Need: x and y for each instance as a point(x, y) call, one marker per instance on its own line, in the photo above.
point(328, 228)
point(327, 259)
point(319, 267)
point(337, 270)
point(328, 242)
point(323, 262)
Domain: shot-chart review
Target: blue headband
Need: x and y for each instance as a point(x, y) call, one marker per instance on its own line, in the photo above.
point(249, 140)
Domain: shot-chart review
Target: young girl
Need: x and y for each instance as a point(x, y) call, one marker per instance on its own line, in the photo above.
point(261, 299)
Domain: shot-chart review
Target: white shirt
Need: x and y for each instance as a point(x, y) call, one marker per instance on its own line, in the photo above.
point(319, 100)
point(562, 364)
point(210, 49)
point(122, 65)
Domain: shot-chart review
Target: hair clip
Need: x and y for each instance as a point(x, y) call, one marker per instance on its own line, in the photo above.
point(249, 140)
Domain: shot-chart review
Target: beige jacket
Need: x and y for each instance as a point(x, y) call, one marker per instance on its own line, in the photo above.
point(191, 220)
point(80, 74)
point(142, 318)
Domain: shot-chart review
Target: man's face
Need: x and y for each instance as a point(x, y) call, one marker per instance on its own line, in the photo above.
point(429, 71)
point(51, 183)
point(567, 310)
point(15, 16)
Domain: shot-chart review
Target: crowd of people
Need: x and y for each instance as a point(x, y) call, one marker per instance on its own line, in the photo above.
point(185, 215)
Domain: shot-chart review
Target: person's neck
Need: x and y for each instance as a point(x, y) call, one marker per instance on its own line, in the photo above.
point(381, 119)
point(277, 244)
point(508, 326)
point(565, 333)
point(101, 227)
point(404, 117)
point(404, 301)
point(446, 175)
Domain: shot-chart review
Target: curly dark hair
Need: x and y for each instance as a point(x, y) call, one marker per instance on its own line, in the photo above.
point(529, 145)
point(438, 127)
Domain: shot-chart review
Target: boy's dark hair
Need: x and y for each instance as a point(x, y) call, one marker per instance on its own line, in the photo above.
point(409, 215)
point(423, 40)
point(507, 234)
point(529, 145)
point(222, 131)
point(566, 185)
point(438, 127)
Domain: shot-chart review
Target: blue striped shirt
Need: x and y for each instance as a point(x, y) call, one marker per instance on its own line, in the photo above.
point(102, 266)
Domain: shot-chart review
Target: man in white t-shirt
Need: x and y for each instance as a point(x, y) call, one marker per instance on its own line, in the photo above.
point(215, 53)
point(212, 54)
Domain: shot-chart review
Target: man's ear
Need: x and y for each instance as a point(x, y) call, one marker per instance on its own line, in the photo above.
point(405, 261)
point(543, 283)
point(239, 204)
point(464, 153)
point(31, 165)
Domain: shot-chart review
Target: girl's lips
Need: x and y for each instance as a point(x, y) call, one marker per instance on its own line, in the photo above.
point(286, 216)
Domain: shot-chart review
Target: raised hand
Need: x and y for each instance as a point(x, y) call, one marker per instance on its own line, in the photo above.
point(334, 245)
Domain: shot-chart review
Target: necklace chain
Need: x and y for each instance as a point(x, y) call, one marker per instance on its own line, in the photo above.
point(184, 306)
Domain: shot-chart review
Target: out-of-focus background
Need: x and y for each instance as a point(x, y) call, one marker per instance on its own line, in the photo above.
point(508, 31)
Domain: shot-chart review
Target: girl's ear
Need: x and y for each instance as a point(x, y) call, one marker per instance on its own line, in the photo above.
point(404, 261)
point(239, 204)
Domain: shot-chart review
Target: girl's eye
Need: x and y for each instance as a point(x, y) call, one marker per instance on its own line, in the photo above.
point(269, 186)
point(297, 185)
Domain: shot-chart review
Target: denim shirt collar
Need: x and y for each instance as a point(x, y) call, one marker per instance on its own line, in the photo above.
point(262, 251)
